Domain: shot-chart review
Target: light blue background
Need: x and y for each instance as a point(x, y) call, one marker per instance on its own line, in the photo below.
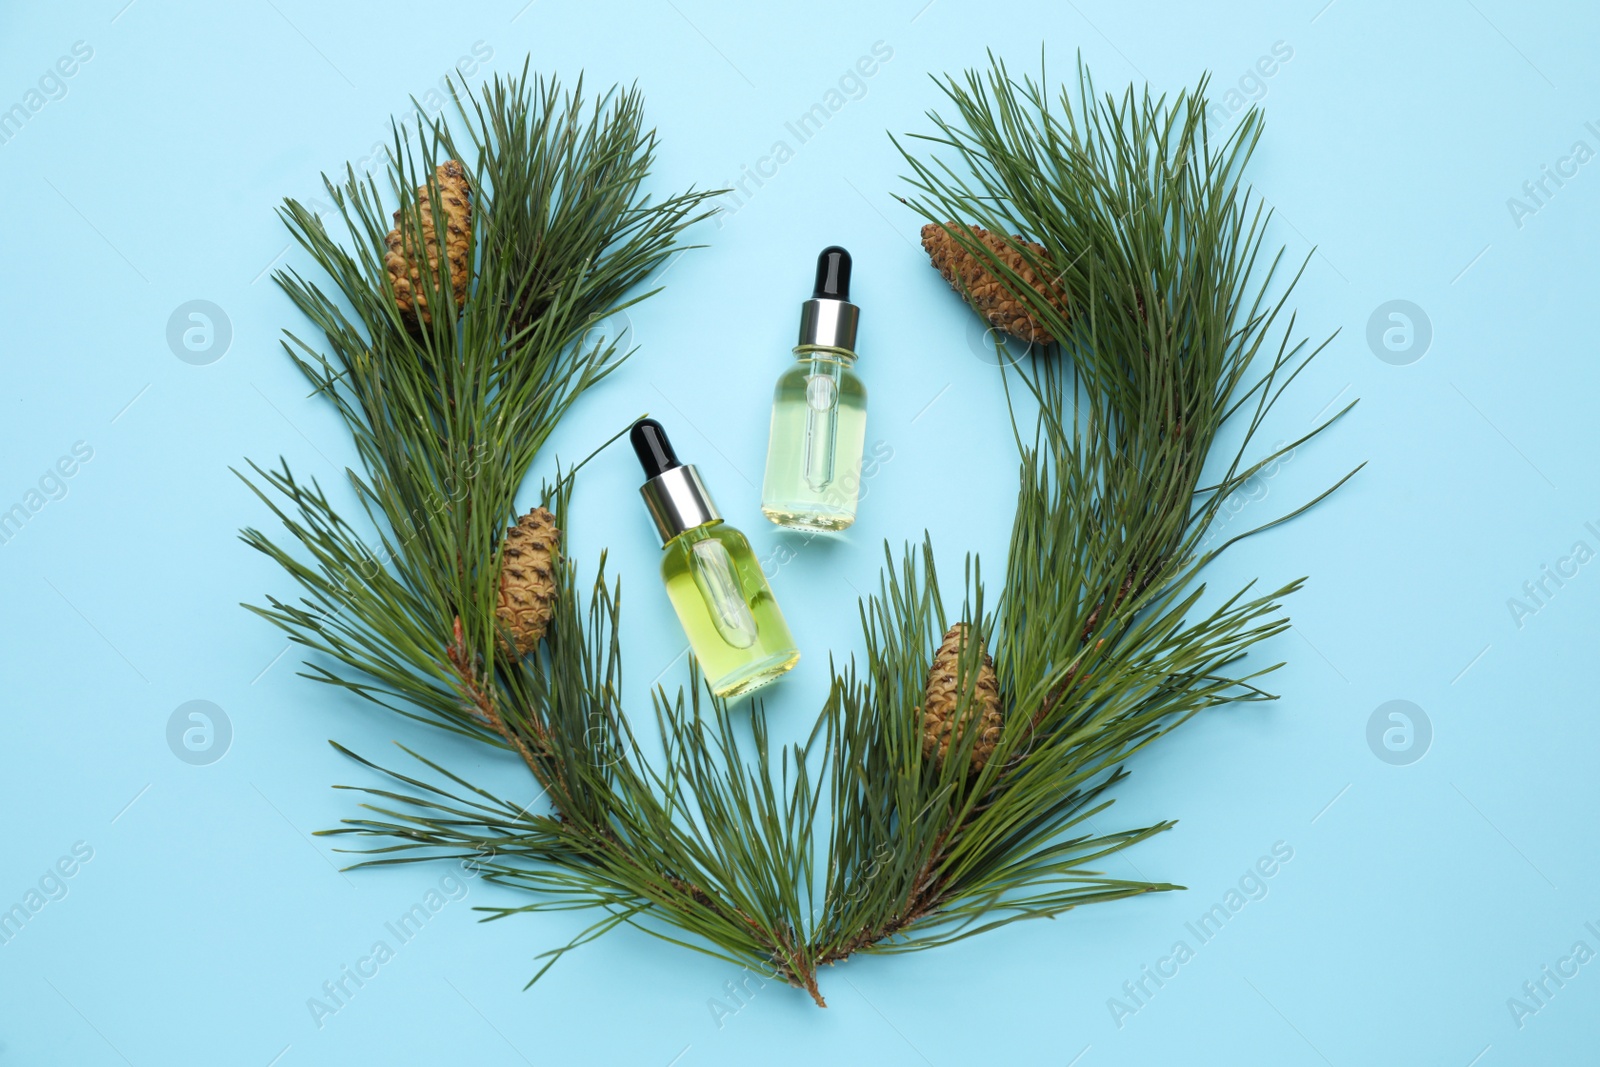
point(1419, 898)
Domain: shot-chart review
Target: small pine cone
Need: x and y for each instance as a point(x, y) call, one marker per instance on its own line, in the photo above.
point(405, 274)
point(990, 296)
point(945, 686)
point(529, 554)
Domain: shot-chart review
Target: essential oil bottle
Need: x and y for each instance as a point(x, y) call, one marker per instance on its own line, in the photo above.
point(713, 578)
point(819, 412)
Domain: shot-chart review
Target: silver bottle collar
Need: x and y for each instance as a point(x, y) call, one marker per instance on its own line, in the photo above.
point(829, 323)
point(678, 500)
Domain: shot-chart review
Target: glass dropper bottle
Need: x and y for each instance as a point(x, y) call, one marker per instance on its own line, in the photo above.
point(819, 412)
point(712, 576)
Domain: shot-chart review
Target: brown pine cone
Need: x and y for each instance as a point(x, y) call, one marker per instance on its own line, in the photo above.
point(990, 296)
point(405, 273)
point(529, 555)
point(945, 686)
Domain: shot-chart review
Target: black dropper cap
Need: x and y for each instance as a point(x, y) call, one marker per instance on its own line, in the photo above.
point(672, 491)
point(828, 319)
point(833, 275)
point(650, 444)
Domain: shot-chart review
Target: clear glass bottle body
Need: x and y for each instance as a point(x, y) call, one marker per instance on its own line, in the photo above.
point(727, 609)
point(819, 427)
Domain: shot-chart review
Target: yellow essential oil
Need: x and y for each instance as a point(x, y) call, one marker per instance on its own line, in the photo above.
point(819, 428)
point(727, 609)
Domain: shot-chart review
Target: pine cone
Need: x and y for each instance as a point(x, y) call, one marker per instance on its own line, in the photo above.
point(405, 273)
point(945, 686)
point(990, 296)
point(529, 554)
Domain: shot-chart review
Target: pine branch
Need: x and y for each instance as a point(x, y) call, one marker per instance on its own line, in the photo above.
point(790, 857)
